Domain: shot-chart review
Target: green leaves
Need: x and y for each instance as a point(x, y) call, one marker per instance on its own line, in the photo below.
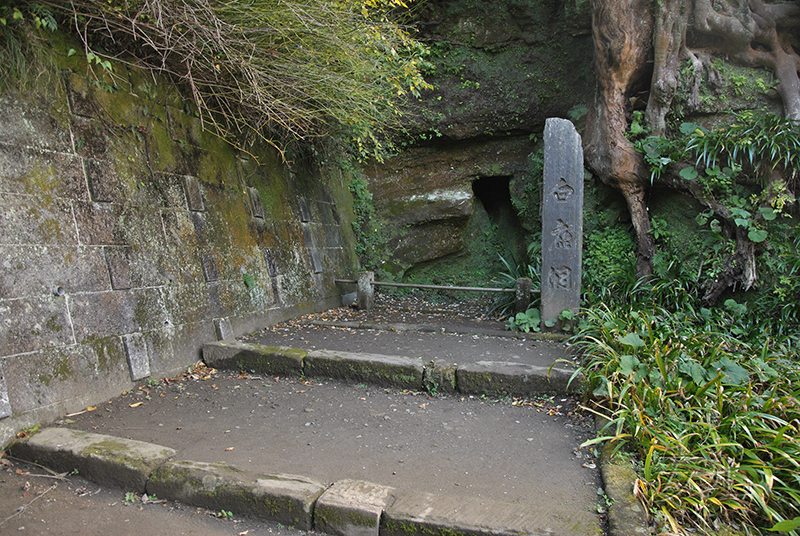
point(712, 417)
point(786, 526)
point(732, 372)
point(633, 340)
point(688, 173)
point(528, 321)
point(249, 282)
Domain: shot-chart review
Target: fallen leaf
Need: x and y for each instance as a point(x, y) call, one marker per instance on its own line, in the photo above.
point(136, 405)
point(91, 408)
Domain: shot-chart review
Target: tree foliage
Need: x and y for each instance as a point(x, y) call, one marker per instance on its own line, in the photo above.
point(281, 70)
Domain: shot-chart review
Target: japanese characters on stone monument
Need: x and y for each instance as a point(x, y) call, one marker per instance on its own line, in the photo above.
point(562, 218)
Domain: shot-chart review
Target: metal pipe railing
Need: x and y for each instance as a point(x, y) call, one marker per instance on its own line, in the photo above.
point(366, 289)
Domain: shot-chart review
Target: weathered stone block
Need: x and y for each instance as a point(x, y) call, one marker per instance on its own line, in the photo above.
point(5, 406)
point(385, 370)
point(256, 206)
point(428, 241)
point(120, 462)
point(305, 214)
point(365, 290)
point(455, 203)
point(232, 355)
point(32, 172)
point(209, 264)
point(352, 508)
point(136, 351)
point(440, 378)
point(625, 512)
point(28, 219)
point(161, 354)
point(30, 324)
point(308, 237)
point(235, 299)
point(27, 125)
point(172, 190)
point(194, 196)
point(72, 375)
point(104, 184)
point(34, 270)
point(184, 343)
point(188, 303)
point(114, 313)
point(286, 499)
point(99, 224)
point(515, 379)
point(222, 326)
point(79, 96)
point(119, 267)
point(417, 514)
point(179, 228)
point(317, 260)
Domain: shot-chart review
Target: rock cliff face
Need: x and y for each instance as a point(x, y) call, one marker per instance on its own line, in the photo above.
point(129, 237)
point(464, 187)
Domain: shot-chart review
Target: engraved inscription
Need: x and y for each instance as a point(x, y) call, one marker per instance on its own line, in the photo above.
point(563, 191)
point(563, 235)
point(560, 277)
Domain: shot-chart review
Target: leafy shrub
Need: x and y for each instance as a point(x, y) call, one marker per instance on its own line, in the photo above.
point(526, 322)
point(711, 407)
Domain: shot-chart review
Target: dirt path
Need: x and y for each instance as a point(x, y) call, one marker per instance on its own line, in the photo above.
point(31, 502)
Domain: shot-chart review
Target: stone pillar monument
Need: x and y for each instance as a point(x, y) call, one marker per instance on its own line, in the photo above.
point(562, 220)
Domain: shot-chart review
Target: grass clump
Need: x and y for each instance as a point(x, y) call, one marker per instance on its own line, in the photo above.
point(708, 398)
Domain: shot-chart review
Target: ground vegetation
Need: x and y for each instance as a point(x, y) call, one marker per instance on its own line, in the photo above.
point(704, 398)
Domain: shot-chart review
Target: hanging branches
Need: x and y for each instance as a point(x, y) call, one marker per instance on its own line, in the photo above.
point(293, 70)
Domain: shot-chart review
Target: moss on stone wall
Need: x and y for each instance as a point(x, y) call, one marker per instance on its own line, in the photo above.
point(139, 230)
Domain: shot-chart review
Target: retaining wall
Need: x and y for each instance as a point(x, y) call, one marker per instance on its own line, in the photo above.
point(130, 236)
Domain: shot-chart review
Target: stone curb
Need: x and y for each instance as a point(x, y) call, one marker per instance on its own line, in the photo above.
point(235, 355)
point(383, 370)
point(426, 514)
point(626, 515)
point(123, 463)
point(495, 377)
point(345, 508)
point(286, 499)
point(515, 378)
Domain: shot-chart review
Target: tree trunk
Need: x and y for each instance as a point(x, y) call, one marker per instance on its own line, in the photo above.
point(669, 41)
point(622, 32)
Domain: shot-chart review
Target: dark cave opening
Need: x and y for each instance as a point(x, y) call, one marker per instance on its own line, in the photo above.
point(494, 194)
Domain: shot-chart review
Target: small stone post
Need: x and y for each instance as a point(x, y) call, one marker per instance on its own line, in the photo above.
point(522, 296)
point(562, 219)
point(366, 291)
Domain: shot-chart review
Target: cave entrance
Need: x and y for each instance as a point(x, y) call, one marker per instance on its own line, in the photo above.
point(507, 233)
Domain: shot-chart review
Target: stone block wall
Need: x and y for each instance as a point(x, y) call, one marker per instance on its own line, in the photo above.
point(130, 236)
